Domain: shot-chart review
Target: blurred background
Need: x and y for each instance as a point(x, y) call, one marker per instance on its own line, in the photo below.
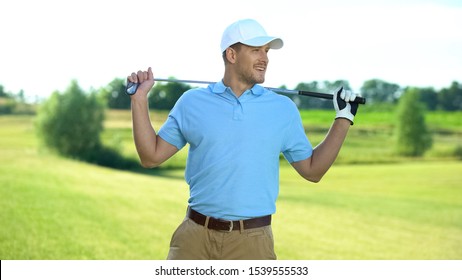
point(71, 186)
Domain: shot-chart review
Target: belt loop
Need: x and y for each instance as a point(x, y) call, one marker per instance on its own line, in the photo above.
point(241, 223)
point(207, 219)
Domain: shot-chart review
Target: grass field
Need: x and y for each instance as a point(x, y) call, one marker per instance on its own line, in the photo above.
point(56, 208)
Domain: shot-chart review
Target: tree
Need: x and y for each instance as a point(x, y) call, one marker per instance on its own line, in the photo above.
point(71, 123)
point(316, 103)
point(163, 96)
point(378, 91)
point(14, 103)
point(114, 95)
point(429, 97)
point(2, 92)
point(413, 138)
point(450, 99)
point(303, 102)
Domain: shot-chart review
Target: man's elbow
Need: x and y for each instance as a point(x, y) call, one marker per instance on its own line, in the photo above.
point(314, 178)
point(146, 163)
point(306, 170)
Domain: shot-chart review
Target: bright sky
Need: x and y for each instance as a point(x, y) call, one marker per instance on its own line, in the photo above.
point(45, 44)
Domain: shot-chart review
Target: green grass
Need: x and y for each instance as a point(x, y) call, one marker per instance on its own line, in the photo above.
point(399, 211)
point(55, 208)
point(74, 211)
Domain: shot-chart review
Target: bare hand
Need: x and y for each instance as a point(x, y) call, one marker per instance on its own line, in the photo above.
point(145, 79)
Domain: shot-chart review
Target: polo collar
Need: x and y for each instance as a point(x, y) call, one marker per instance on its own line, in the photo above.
point(220, 88)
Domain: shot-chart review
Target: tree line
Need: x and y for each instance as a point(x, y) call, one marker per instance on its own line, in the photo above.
point(376, 91)
point(164, 95)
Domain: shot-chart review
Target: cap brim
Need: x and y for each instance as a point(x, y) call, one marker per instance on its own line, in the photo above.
point(274, 42)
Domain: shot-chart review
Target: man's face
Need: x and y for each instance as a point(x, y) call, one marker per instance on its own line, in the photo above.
point(251, 63)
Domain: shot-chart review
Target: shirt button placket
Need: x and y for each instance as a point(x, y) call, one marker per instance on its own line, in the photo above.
point(238, 111)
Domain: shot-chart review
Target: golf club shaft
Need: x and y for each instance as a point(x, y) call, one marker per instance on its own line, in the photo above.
point(360, 100)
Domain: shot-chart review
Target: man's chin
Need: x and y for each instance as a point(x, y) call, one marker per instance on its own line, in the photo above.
point(260, 80)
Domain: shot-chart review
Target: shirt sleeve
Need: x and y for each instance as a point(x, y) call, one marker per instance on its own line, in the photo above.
point(296, 145)
point(171, 129)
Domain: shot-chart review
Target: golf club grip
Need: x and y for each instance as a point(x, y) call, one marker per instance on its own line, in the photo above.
point(358, 99)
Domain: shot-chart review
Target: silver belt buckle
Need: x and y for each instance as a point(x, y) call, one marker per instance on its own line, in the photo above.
point(231, 225)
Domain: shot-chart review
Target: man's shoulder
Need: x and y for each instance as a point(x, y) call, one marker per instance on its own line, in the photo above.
point(280, 99)
point(194, 94)
point(197, 90)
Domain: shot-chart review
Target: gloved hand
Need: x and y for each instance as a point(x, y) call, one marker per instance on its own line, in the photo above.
point(344, 108)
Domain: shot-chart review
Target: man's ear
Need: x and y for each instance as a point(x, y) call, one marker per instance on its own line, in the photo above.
point(231, 55)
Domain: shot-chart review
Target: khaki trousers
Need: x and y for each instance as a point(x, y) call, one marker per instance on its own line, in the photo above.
point(192, 241)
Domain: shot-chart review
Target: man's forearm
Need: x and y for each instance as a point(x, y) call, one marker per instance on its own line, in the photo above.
point(327, 151)
point(143, 133)
point(324, 155)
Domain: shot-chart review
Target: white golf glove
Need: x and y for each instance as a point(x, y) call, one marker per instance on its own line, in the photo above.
point(344, 108)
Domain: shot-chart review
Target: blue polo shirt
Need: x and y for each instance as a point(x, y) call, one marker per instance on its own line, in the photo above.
point(234, 146)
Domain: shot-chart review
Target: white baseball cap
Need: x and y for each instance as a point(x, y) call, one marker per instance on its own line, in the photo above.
point(248, 32)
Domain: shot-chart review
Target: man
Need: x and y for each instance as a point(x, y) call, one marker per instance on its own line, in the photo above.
point(236, 130)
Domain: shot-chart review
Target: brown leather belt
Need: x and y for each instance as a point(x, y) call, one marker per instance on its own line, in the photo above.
point(225, 225)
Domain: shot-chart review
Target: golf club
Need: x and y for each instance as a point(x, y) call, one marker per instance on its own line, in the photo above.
point(132, 87)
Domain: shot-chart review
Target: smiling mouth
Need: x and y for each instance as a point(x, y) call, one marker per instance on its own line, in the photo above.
point(261, 68)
